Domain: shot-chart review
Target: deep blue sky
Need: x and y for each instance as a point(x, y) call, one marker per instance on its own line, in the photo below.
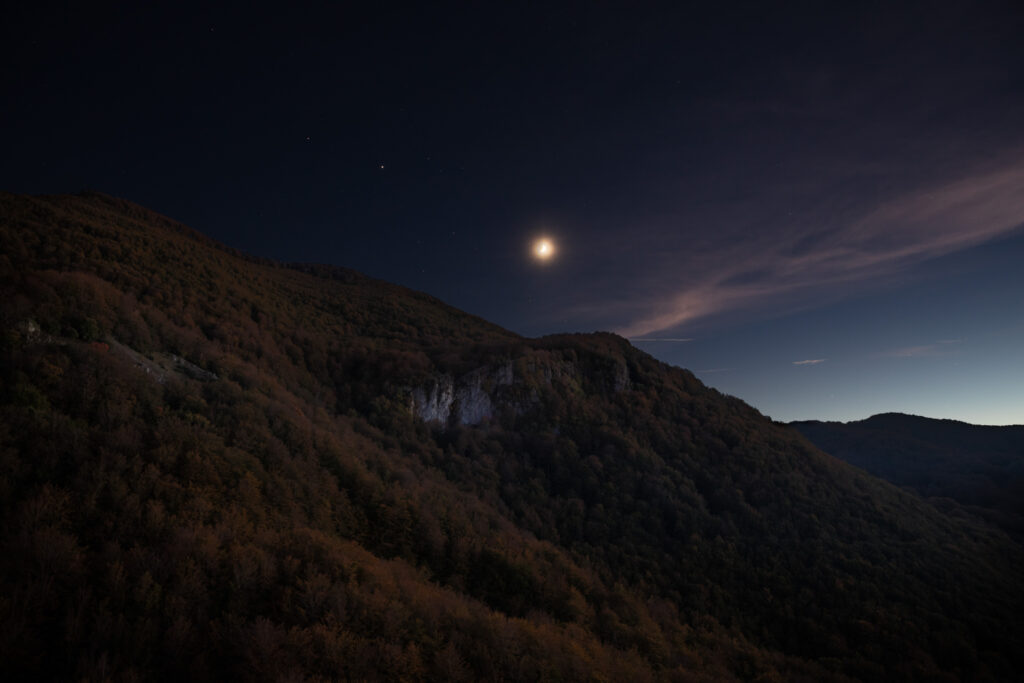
point(776, 183)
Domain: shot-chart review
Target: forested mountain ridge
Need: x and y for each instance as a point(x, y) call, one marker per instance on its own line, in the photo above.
point(979, 467)
point(288, 515)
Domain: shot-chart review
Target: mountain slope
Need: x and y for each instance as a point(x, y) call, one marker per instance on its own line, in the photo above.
point(217, 467)
point(977, 466)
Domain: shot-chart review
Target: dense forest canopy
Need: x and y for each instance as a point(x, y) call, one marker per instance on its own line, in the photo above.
point(211, 467)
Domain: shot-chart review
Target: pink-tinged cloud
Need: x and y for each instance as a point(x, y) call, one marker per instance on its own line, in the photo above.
point(813, 361)
point(764, 269)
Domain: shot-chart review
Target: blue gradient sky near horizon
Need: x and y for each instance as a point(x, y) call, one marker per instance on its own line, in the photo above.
point(948, 345)
point(825, 201)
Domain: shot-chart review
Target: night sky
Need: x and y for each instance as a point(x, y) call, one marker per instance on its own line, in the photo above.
point(818, 210)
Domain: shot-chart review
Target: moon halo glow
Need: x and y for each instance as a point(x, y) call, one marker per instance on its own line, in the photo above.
point(543, 249)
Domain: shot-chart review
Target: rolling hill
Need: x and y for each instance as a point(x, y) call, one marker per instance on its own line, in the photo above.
point(979, 468)
point(217, 467)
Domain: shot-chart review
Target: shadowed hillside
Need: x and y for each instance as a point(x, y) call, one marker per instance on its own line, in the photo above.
point(978, 467)
point(218, 467)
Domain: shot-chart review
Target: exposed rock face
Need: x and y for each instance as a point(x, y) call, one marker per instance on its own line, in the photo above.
point(472, 401)
point(620, 378)
point(29, 330)
point(161, 365)
point(433, 403)
point(184, 367)
point(474, 397)
point(464, 401)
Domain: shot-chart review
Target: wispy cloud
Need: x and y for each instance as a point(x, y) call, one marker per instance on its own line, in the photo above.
point(834, 254)
point(660, 339)
point(939, 348)
point(813, 361)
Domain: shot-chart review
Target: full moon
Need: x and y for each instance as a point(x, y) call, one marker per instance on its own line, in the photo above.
point(543, 249)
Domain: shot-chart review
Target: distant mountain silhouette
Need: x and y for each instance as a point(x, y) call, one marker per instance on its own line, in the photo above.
point(217, 467)
point(980, 467)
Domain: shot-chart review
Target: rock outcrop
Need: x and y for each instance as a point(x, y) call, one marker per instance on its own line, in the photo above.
point(466, 400)
point(475, 397)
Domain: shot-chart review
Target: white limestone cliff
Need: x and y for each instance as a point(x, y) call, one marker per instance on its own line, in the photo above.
point(474, 397)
